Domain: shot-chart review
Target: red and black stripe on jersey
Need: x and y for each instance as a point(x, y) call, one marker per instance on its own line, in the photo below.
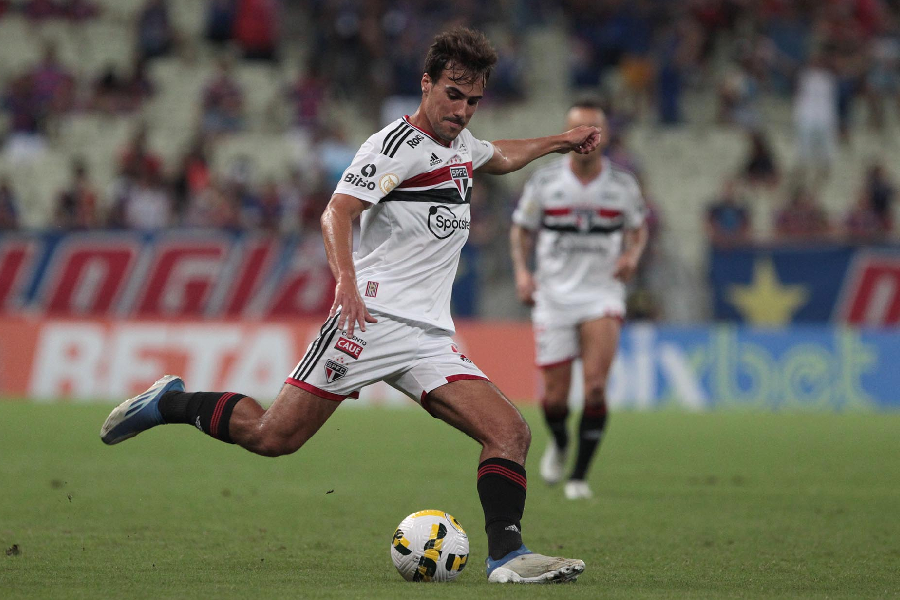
point(583, 220)
point(445, 195)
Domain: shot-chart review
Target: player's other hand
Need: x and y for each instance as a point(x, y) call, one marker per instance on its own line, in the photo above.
point(625, 268)
point(353, 309)
point(525, 287)
point(584, 139)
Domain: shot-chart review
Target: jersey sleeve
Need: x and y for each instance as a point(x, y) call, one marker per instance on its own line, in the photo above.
point(482, 151)
point(637, 208)
point(528, 212)
point(372, 175)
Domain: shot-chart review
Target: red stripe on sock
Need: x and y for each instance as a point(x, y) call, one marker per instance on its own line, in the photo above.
point(595, 412)
point(515, 478)
point(500, 470)
point(217, 414)
point(503, 472)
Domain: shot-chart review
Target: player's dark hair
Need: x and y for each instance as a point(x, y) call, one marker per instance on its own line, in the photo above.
point(590, 102)
point(466, 52)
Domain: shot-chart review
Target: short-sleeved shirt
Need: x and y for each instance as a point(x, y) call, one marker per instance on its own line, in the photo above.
point(412, 235)
point(580, 229)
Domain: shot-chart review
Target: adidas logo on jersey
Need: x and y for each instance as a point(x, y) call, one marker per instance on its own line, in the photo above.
point(435, 160)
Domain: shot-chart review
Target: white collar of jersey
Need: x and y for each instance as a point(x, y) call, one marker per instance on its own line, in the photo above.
point(604, 171)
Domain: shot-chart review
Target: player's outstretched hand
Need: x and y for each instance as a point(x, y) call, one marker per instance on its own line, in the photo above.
point(353, 309)
point(525, 287)
point(584, 139)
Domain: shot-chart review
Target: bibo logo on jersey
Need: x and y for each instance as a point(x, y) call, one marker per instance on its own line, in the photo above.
point(362, 179)
point(442, 222)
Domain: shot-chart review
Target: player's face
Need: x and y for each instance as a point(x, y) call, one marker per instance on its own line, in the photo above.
point(589, 116)
point(449, 105)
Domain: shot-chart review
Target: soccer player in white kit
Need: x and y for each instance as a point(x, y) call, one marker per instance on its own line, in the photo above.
point(587, 216)
point(411, 185)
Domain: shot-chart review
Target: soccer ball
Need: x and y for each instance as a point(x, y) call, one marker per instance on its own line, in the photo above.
point(429, 545)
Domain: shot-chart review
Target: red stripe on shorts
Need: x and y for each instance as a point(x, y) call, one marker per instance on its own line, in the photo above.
point(318, 392)
point(465, 377)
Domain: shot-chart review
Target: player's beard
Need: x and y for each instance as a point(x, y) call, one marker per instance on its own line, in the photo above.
point(449, 132)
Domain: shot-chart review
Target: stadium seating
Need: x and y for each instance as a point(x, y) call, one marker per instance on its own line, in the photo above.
point(683, 166)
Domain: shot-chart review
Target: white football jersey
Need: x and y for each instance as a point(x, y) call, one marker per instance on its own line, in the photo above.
point(579, 234)
point(412, 235)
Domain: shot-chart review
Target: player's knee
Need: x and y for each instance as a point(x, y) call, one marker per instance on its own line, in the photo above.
point(556, 396)
point(525, 437)
point(512, 440)
point(595, 390)
point(519, 437)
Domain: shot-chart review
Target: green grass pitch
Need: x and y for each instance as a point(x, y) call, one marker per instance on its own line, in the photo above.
point(723, 505)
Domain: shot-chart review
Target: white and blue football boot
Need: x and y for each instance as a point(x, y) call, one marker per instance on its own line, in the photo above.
point(139, 413)
point(524, 566)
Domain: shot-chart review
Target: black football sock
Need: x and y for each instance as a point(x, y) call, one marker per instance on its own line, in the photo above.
point(501, 487)
point(210, 412)
point(590, 432)
point(556, 417)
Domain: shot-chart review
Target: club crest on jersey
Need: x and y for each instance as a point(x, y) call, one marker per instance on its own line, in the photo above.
point(461, 180)
point(334, 370)
point(583, 219)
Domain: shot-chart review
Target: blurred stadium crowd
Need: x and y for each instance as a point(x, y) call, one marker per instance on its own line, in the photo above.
point(241, 114)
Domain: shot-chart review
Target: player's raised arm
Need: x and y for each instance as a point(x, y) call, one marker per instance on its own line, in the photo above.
point(337, 231)
point(512, 155)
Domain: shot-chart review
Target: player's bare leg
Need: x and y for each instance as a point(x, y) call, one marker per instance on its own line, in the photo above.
point(599, 342)
point(480, 410)
point(294, 417)
point(555, 405)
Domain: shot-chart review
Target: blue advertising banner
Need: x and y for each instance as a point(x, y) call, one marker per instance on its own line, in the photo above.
point(801, 367)
point(774, 286)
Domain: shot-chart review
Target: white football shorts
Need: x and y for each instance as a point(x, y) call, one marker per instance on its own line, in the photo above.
point(557, 338)
point(409, 357)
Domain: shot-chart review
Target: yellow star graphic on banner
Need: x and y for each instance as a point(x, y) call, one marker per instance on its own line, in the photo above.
point(765, 301)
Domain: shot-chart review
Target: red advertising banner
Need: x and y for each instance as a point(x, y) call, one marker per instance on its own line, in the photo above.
point(164, 275)
point(102, 359)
